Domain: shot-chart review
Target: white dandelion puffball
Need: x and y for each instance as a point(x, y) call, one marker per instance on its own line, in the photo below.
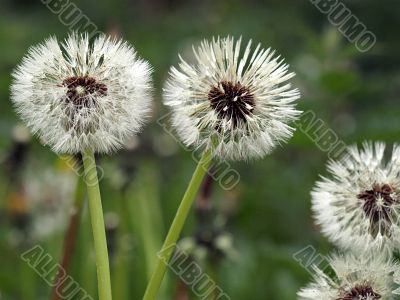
point(80, 96)
point(359, 206)
point(363, 277)
point(49, 200)
point(238, 103)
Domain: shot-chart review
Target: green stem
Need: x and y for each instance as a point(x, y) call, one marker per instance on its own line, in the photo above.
point(97, 219)
point(177, 225)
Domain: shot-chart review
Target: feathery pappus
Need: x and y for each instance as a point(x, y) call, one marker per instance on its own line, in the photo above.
point(358, 206)
point(362, 277)
point(78, 95)
point(239, 103)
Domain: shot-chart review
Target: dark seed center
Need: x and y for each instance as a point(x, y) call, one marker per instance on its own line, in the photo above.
point(360, 292)
point(83, 90)
point(377, 206)
point(231, 101)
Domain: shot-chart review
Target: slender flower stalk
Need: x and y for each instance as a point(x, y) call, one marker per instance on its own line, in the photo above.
point(177, 224)
point(97, 219)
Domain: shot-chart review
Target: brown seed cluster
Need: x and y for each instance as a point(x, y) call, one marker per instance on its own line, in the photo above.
point(82, 92)
point(360, 292)
point(377, 206)
point(81, 89)
point(232, 101)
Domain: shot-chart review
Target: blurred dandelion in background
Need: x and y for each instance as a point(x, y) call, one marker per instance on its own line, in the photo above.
point(49, 198)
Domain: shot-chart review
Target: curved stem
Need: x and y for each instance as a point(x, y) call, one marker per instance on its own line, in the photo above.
point(176, 226)
point(97, 219)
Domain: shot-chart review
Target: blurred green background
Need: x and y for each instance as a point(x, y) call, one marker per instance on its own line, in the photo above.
point(244, 238)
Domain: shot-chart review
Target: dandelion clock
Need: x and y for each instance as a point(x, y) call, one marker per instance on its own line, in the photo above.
point(358, 206)
point(370, 276)
point(239, 103)
point(83, 97)
point(77, 96)
point(232, 103)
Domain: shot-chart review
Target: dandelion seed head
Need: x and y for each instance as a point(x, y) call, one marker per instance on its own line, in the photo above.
point(76, 95)
point(358, 206)
point(239, 102)
point(367, 276)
